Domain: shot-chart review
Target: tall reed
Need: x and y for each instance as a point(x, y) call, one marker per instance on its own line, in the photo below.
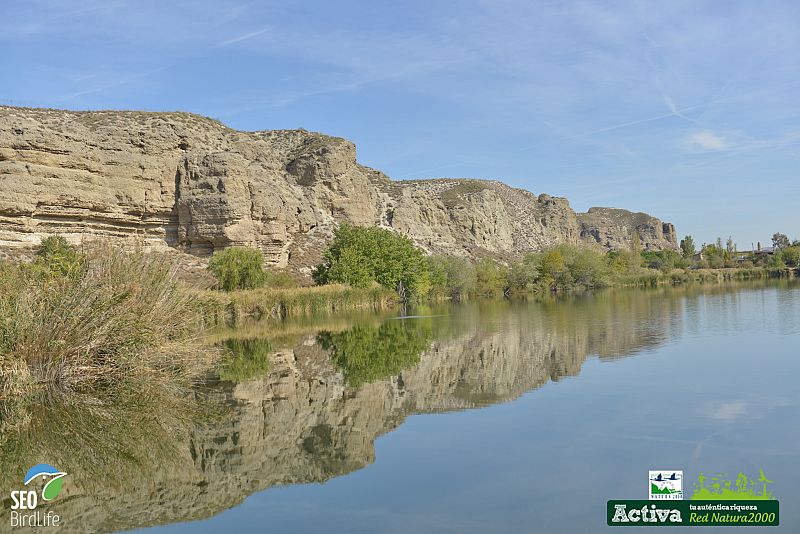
point(124, 315)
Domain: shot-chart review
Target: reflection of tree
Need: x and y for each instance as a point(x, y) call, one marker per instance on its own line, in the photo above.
point(366, 353)
point(244, 359)
point(143, 461)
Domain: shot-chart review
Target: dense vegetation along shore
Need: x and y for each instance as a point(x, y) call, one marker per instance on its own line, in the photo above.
point(75, 319)
point(98, 316)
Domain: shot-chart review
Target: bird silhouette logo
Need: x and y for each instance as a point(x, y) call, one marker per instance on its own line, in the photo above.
point(53, 479)
point(666, 484)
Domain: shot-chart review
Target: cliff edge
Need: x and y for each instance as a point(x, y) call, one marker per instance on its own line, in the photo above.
point(189, 182)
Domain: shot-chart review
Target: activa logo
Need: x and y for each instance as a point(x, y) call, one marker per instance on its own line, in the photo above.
point(647, 514)
point(51, 480)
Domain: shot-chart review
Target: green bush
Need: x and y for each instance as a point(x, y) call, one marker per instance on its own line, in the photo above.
point(452, 277)
point(564, 267)
point(56, 257)
point(663, 260)
point(791, 256)
point(238, 268)
point(360, 256)
point(491, 278)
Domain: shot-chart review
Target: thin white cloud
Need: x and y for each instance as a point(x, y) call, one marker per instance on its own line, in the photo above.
point(114, 83)
point(241, 38)
point(675, 113)
point(706, 140)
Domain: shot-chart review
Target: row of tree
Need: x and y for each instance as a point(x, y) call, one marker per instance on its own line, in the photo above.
point(362, 256)
point(784, 254)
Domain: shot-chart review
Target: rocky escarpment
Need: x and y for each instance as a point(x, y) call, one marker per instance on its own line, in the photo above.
point(614, 228)
point(184, 181)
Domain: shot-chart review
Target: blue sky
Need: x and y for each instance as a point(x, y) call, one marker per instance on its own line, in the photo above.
point(688, 110)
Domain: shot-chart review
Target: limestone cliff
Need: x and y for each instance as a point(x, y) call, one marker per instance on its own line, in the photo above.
point(185, 181)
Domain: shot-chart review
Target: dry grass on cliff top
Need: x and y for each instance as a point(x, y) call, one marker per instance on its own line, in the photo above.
point(122, 316)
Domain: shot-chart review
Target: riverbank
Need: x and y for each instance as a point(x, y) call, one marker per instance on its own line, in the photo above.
point(101, 316)
point(267, 303)
point(700, 276)
point(229, 308)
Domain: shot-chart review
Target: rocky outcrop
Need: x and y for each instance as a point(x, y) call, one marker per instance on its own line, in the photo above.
point(614, 229)
point(184, 181)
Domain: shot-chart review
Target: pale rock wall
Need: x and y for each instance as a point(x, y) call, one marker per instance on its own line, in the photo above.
point(184, 181)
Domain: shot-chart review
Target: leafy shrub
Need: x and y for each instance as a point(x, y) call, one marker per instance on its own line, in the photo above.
point(563, 266)
point(663, 260)
point(360, 256)
point(56, 257)
point(791, 256)
point(491, 278)
point(452, 277)
point(238, 268)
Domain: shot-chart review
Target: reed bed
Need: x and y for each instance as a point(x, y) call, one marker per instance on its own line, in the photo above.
point(650, 278)
point(124, 314)
point(232, 307)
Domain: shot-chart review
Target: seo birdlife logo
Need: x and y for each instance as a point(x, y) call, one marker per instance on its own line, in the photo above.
point(24, 502)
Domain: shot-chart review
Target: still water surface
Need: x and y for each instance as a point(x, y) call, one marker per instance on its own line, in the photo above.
point(488, 417)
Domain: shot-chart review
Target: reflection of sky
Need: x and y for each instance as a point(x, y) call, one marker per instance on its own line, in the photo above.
point(549, 460)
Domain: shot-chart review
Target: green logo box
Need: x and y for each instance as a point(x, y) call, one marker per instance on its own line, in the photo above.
point(639, 513)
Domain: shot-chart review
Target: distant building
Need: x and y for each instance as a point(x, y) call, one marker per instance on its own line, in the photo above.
point(764, 251)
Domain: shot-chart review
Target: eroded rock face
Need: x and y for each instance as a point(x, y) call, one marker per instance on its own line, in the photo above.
point(184, 181)
point(614, 229)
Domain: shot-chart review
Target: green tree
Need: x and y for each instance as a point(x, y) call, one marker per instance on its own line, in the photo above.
point(730, 246)
point(238, 268)
point(359, 256)
point(791, 255)
point(780, 241)
point(452, 277)
point(491, 278)
point(688, 248)
point(551, 267)
point(523, 275)
point(664, 260)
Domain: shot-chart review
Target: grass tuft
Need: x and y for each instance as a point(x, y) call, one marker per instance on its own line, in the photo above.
point(124, 316)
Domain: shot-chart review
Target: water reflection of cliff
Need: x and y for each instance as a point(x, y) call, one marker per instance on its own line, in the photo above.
point(319, 407)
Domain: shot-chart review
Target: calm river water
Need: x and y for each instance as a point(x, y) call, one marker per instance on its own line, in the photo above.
point(482, 417)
